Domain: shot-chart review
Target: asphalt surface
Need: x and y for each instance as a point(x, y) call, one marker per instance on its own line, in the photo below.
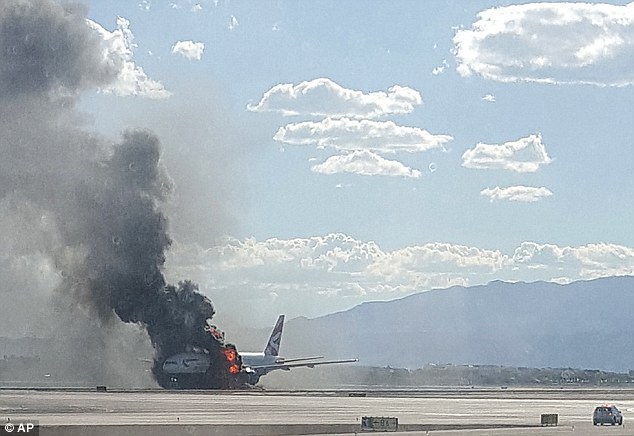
point(437, 411)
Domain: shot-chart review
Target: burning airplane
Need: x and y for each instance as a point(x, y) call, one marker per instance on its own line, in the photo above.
point(191, 368)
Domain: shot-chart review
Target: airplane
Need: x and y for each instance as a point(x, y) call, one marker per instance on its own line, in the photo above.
point(186, 366)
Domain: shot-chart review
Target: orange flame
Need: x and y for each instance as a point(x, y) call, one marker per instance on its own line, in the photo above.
point(230, 354)
point(234, 369)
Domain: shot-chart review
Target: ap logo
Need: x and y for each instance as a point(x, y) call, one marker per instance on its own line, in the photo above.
point(20, 428)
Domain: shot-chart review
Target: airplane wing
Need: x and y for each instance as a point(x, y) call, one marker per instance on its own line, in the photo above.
point(297, 359)
point(287, 366)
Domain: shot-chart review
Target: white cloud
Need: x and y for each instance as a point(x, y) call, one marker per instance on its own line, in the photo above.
point(408, 265)
point(118, 52)
point(584, 262)
point(550, 43)
point(335, 252)
point(349, 134)
point(440, 69)
point(192, 5)
point(526, 155)
point(323, 97)
point(365, 163)
point(233, 23)
point(516, 193)
point(189, 49)
point(490, 98)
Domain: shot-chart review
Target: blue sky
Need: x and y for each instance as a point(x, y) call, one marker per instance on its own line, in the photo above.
point(432, 143)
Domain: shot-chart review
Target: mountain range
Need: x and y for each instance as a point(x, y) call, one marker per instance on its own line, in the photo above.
point(584, 324)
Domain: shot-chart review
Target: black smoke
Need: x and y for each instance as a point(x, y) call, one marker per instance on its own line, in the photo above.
point(106, 234)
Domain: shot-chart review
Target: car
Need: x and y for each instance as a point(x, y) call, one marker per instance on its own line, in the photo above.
point(607, 415)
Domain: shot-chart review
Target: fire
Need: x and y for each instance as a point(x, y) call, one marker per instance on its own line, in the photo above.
point(230, 354)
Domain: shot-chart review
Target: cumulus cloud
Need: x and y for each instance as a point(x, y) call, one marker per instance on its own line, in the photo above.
point(561, 43)
point(440, 69)
point(337, 265)
point(516, 193)
point(350, 125)
point(189, 49)
point(413, 265)
point(585, 262)
point(233, 23)
point(526, 155)
point(323, 97)
point(350, 134)
point(192, 5)
point(301, 259)
point(118, 52)
point(365, 163)
point(490, 98)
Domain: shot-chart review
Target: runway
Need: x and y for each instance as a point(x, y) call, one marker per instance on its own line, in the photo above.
point(436, 411)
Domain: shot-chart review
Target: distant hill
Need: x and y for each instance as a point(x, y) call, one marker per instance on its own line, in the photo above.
point(585, 324)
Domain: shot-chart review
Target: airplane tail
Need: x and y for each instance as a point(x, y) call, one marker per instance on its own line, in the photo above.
point(273, 346)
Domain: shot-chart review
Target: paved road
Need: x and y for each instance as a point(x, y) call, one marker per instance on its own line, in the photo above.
point(320, 409)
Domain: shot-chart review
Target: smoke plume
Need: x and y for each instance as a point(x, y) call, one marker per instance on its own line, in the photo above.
point(93, 205)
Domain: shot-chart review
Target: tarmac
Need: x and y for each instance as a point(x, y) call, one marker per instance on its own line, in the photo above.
point(446, 412)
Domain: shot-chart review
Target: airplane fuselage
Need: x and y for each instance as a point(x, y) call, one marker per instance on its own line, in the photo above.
point(187, 363)
point(258, 359)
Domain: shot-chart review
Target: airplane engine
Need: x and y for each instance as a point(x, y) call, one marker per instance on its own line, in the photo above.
point(252, 377)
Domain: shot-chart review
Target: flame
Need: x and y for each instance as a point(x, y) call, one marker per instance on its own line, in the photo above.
point(234, 369)
point(230, 354)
